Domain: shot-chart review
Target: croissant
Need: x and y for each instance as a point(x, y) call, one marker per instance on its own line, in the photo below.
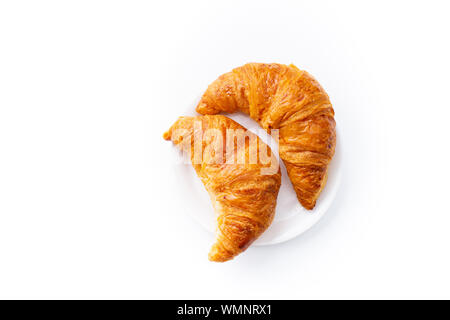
point(243, 193)
point(288, 99)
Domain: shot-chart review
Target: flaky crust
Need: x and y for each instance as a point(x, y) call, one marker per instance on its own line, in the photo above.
point(285, 98)
point(244, 200)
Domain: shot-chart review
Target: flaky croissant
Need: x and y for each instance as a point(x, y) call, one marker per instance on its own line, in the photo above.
point(243, 195)
point(283, 97)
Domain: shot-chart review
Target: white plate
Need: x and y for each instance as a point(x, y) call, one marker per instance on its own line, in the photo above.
point(291, 219)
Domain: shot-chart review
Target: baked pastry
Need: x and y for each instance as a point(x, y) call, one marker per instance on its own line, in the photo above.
point(288, 99)
point(243, 193)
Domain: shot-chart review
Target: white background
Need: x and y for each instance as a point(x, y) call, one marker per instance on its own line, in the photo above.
point(88, 87)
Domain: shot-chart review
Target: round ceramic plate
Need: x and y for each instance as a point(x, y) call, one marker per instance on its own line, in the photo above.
point(291, 219)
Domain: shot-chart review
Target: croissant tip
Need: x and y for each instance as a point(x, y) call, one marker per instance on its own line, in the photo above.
point(309, 205)
point(166, 135)
point(200, 107)
point(205, 109)
point(213, 259)
point(219, 254)
point(217, 258)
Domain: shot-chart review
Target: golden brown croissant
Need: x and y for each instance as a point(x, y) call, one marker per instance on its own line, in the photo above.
point(243, 193)
point(285, 98)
